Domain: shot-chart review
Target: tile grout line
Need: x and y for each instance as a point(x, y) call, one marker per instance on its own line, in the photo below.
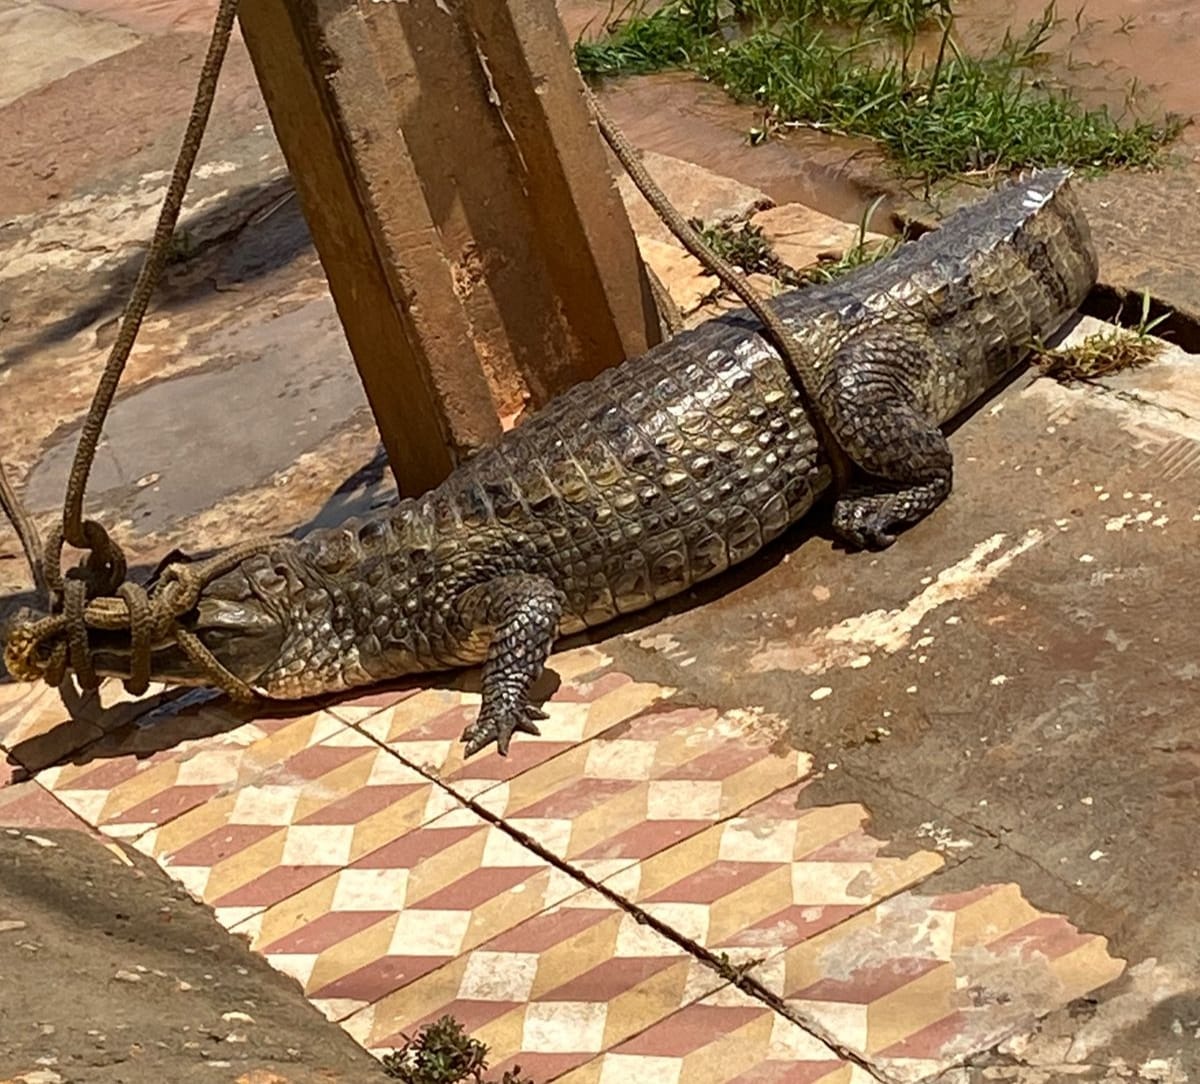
point(63, 805)
point(748, 985)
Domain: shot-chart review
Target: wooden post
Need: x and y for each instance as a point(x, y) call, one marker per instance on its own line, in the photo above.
point(459, 197)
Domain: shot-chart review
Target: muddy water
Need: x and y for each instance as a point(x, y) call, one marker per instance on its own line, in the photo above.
point(677, 114)
point(1110, 44)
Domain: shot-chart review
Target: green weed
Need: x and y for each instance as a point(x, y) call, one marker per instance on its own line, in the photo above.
point(863, 251)
point(443, 1053)
point(848, 66)
point(745, 246)
point(1104, 353)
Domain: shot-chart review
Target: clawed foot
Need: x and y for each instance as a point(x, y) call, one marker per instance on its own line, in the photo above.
point(498, 722)
point(866, 521)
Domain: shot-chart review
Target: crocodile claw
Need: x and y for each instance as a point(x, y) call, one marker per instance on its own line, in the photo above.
point(498, 723)
point(865, 521)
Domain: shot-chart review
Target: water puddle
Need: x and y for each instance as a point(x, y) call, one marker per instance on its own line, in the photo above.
point(1107, 51)
point(1103, 46)
point(678, 114)
point(155, 462)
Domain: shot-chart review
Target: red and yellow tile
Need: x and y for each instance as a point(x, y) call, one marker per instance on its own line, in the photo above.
point(918, 982)
point(770, 877)
point(550, 993)
point(725, 1038)
point(405, 909)
point(637, 789)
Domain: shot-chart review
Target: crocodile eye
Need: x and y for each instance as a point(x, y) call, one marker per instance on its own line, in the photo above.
point(372, 533)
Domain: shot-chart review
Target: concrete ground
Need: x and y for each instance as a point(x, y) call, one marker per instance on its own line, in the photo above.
point(1007, 694)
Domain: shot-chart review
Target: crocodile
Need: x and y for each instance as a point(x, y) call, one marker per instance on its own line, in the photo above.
point(658, 474)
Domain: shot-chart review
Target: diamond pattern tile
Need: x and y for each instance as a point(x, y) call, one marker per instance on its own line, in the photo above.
point(37, 728)
point(160, 766)
point(725, 1038)
point(918, 982)
point(770, 877)
point(392, 902)
point(424, 727)
point(550, 993)
point(404, 910)
point(639, 788)
point(29, 805)
point(343, 918)
point(326, 796)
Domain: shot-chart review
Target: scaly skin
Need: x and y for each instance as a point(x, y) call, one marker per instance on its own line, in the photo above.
point(659, 474)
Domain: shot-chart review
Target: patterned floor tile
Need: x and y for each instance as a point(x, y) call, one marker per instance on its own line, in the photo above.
point(551, 993)
point(770, 878)
point(424, 726)
point(38, 729)
point(30, 805)
point(639, 788)
point(726, 1038)
point(160, 766)
point(404, 910)
point(326, 796)
point(919, 982)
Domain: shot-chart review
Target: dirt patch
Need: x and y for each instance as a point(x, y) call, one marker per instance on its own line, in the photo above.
point(110, 974)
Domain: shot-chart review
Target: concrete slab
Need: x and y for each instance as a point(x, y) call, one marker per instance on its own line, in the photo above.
point(113, 976)
point(713, 198)
point(40, 43)
point(802, 237)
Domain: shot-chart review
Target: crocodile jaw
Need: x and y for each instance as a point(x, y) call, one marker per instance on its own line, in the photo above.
point(241, 630)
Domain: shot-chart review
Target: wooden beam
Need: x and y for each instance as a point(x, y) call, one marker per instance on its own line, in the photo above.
point(364, 207)
point(459, 198)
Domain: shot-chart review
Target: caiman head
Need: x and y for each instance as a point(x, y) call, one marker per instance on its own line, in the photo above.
point(242, 625)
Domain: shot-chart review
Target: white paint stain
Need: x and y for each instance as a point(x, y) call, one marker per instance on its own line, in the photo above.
point(891, 630)
point(941, 837)
point(215, 169)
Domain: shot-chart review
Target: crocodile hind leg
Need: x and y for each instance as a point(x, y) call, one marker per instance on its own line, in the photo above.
point(876, 417)
point(522, 612)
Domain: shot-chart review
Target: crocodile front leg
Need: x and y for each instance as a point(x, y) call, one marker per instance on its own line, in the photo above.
point(522, 612)
point(876, 417)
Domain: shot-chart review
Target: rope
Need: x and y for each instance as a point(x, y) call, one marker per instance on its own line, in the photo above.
point(27, 532)
point(87, 534)
point(668, 312)
point(794, 357)
point(95, 594)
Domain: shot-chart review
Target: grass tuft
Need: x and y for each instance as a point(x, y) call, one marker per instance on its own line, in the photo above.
point(863, 251)
point(443, 1053)
point(1103, 353)
point(747, 248)
point(847, 66)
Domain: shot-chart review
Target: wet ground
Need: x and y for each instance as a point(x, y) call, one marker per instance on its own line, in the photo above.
point(1010, 691)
